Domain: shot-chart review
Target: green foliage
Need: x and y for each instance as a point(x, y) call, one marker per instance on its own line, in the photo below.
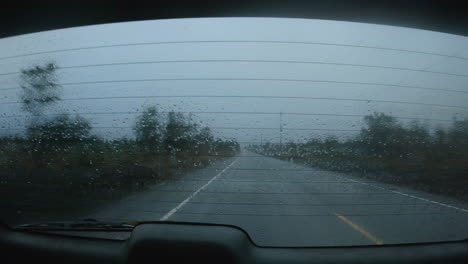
point(149, 130)
point(39, 88)
point(227, 147)
point(180, 133)
point(388, 151)
point(457, 137)
point(62, 152)
point(57, 135)
point(382, 135)
point(383, 145)
point(204, 142)
point(61, 131)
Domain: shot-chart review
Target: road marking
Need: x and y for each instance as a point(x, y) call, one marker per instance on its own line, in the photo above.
point(175, 209)
point(412, 196)
point(360, 230)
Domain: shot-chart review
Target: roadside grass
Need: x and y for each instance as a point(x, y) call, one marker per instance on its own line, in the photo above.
point(444, 177)
point(62, 192)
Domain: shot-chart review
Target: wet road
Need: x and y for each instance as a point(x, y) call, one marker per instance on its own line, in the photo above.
point(280, 203)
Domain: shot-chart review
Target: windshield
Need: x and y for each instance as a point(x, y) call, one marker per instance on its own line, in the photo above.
point(301, 132)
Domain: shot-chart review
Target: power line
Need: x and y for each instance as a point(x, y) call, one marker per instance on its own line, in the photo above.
point(224, 113)
point(254, 61)
point(222, 128)
point(249, 79)
point(235, 41)
point(252, 97)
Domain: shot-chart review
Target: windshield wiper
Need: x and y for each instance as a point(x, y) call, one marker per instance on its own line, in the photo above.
point(85, 225)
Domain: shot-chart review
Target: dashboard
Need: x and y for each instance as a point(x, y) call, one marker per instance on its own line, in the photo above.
point(205, 243)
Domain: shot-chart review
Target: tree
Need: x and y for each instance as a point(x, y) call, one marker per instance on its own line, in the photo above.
point(440, 136)
point(149, 130)
point(382, 135)
point(204, 141)
point(179, 133)
point(458, 136)
point(227, 147)
point(417, 138)
point(331, 144)
point(40, 88)
point(60, 132)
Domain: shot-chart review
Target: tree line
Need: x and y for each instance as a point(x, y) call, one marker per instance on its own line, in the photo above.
point(65, 142)
point(390, 151)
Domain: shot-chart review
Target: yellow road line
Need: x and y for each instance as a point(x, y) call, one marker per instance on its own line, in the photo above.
point(360, 230)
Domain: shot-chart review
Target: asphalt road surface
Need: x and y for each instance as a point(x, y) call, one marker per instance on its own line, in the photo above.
point(280, 203)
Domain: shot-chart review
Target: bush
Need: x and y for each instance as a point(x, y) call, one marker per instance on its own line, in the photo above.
point(389, 151)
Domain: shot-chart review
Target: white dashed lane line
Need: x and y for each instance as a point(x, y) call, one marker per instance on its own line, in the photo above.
point(177, 208)
point(411, 196)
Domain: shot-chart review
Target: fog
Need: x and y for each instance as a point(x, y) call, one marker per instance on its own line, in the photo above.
point(246, 78)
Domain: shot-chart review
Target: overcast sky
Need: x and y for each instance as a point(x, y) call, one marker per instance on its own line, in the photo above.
point(300, 59)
